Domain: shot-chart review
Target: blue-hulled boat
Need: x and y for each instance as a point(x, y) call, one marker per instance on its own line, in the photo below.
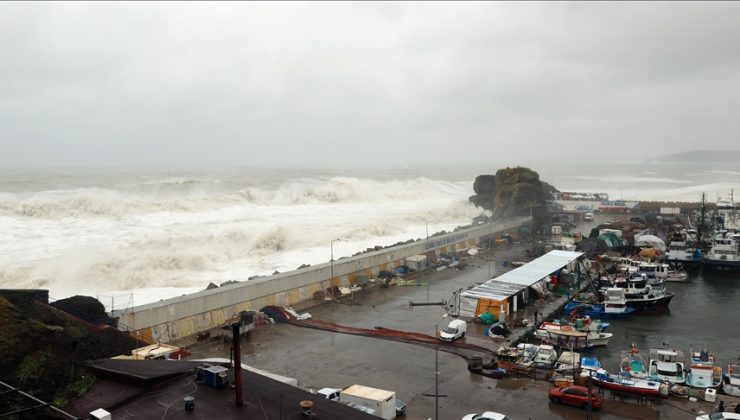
point(596, 310)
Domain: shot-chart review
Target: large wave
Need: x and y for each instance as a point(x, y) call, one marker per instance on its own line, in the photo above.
point(185, 233)
point(170, 196)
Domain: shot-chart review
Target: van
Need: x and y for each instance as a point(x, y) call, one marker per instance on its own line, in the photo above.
point(456, 329)
point(588, 216)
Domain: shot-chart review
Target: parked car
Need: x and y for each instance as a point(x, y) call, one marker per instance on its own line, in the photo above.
point(488, 415)
point(574, 395)
point(400, 407)
point(719, 416)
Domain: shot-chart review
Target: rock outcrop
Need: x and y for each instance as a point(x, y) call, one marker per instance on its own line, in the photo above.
point(513, 192)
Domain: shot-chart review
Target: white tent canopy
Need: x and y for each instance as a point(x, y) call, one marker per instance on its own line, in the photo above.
point(514, 281)
point(651, 240)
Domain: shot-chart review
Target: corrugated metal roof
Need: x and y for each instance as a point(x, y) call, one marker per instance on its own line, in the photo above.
point(536, 270)
point(493, 290)
point(510, 283)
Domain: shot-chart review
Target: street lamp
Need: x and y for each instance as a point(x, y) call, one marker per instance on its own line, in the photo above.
point(436, 370)
point(331, 280)
point(426, 227)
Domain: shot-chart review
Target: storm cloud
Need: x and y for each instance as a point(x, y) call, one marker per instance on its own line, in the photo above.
point(96, 84)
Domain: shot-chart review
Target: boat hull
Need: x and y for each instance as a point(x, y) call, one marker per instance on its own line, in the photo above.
point(731, 389)
point(633, 386)
point(597, 311)
point(722, 265)
point(651, 304)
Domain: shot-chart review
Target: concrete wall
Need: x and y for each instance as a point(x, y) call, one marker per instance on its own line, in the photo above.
point(187, 315)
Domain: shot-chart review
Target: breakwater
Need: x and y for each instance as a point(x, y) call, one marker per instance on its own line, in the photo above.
point(188, 315)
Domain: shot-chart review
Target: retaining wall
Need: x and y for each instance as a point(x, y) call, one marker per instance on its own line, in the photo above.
point(187, 315)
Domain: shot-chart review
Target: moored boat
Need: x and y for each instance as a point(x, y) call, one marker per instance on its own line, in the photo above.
point(703, 371)
point(677, 276)
point(731, 381)
point(575, 340)
point(551, 332)
point(723, 254)
point(682, 252)
point(667, 365)
point(642, 296)
point(633, 363)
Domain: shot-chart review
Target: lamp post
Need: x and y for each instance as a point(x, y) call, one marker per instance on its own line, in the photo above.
point(331, 261)
point(436, 371)
point(426, 227)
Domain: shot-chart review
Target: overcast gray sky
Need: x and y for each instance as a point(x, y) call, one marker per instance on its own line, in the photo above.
point(315, 83)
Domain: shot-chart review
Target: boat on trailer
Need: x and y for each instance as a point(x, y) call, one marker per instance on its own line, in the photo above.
point(624, 383)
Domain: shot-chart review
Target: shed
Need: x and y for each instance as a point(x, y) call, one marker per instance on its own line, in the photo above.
point(500, 293)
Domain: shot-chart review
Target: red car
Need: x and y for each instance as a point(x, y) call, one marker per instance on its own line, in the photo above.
point(574, 395)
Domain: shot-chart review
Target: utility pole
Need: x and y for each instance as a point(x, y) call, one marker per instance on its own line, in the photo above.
point(331, 280)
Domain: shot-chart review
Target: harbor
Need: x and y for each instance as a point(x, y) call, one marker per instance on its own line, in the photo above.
point(321, 358)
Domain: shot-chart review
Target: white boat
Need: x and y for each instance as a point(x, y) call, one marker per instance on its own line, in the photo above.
point(682, 251)
point(724, 255)
point(703, 371)
point(667, 365)
point(545, 356)
point(594, 337)
point(525, 353)
point(731, 381)
point(568, 361)
point(677, 276)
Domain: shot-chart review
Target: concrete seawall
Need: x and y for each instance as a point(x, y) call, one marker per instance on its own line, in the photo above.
point(188, 315)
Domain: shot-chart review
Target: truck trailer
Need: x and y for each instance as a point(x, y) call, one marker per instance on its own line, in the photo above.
point(381, 401)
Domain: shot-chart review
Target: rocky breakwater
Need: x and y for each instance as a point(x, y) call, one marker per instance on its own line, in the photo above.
point(514, 192)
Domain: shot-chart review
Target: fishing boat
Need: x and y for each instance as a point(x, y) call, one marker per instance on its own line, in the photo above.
point(575, 340)
point(667, 365)
point(641, 296)
point(590, 363)
point(598, 310)
point(633, 363)
point(682, 251)
point(595, 338)
point(624, 383)
point(723, 254)
point(545, 357)
point(731, 382)
point(585, 323)
point(568, 361)
point(703, 371)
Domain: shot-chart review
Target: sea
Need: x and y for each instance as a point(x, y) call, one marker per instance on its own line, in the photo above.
point(131, 236)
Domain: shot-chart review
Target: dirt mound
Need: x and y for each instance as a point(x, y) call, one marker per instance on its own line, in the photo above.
point(43, 350)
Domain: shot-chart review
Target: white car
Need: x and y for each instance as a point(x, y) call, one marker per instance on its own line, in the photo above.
point(329, 393)
point(720, 416)
point(488, 415)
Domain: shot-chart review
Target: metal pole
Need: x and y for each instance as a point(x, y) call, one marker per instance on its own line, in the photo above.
point(237, 365)
point(426, 227)
point(436, 384)
point(331, 280)
point(436, 371)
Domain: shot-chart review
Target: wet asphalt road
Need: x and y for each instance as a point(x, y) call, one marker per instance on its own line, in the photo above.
point(324, 359)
